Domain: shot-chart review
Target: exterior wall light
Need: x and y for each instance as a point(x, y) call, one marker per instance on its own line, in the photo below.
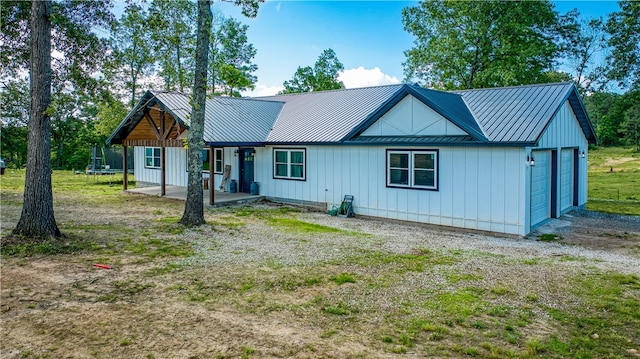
point(531, 161)
point(582, 154)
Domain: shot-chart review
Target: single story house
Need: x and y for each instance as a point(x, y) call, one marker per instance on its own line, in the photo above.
point(498, 159)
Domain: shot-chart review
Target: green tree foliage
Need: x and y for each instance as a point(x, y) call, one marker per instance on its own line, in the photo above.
point(109, 113)
point(72, 24)
point(230, 58)
point(598, 105)
point(173, 30)
point(78, 54)
point(614, 116)
point(624, 29)
point(630, 127)
point(233, 80)
point(73, 128)
point(15, 100)
point(582, 45)
point(323, 76)
point(131, 56)
point(30, 33)
point(476, 44)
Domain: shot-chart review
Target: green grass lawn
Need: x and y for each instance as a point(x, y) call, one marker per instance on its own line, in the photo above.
point(614, 180)
point(239, 285)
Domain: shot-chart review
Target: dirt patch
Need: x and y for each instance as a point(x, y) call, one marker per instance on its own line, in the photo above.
point(617, 161)
point(250, 289)
point(598, 231)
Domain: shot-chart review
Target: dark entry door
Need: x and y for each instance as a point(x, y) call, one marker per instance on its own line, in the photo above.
point(246, 169)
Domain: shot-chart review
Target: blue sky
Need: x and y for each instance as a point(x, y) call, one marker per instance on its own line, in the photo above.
point(367, 37)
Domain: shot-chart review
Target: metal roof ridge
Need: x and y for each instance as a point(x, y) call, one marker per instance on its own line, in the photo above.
point(515, 86)
point(328, 91)
point(444, 92)
point(167, 92)
point(256, 99)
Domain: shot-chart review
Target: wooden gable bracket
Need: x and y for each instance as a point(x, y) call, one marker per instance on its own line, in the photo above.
point(165, 134)
point(153, 125)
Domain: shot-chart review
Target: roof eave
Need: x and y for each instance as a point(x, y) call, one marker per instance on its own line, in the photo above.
point(123, 123)
point(575, 102)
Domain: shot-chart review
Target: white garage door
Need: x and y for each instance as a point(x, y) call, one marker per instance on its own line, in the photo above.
point(566, 179)
point(540, 187)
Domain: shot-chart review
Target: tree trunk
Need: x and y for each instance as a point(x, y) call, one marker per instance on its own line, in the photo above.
point(194, 206)
point(37, 219)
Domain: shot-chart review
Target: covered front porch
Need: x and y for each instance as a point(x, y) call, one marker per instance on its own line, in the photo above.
point(180, 192)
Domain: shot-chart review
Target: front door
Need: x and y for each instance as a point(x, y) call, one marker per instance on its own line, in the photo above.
point(246, 169)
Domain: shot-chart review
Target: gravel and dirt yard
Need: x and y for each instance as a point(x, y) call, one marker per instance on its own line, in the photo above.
point(272, 281)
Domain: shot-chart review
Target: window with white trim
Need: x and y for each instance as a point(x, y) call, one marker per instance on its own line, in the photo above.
point(218, 160)
point(152, 157)
point(289, 163)
point(412, 169)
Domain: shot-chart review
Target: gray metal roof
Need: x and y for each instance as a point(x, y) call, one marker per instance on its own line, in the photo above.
point(510, 115)
point(229, 120)
point(521, 114)
point(239, 120)
point(326, 116)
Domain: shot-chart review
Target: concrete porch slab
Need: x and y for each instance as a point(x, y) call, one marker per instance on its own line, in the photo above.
point(178, 192)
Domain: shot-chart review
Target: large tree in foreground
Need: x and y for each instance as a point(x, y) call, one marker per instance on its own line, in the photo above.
point(476, 44)
point(194, 207)
point(37, 219)
point(31, 32)
point(193, 211)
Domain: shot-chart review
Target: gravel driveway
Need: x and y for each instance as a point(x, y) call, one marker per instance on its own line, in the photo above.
point(606, 241)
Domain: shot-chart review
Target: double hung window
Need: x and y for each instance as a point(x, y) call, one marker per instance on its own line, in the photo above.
point(412, 169)
point(289, 163)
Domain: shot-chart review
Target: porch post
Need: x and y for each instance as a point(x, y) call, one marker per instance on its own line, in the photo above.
point(163, 179)
point(163, 190)
point(211, 171)
point(125, 179)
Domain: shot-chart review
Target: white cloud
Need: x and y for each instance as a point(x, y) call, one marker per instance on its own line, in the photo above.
point(263, 90)
point(352, 78)
point(361, 77)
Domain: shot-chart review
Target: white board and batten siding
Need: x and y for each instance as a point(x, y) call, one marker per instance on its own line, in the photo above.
point(176, 167)
point(564, 132)
point(479, 187)
point(411, 117)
